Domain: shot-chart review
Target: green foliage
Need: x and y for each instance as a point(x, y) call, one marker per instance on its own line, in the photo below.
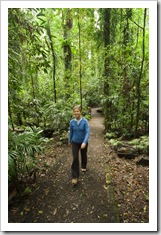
point(141, 144)
point(12, 171)
point(58, 115)
point(28, 190)
point(106, 74)
point(110, 135)
point(22, 151)
point(114, 142)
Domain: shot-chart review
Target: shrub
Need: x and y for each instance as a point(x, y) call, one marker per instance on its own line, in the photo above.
point(22, 151)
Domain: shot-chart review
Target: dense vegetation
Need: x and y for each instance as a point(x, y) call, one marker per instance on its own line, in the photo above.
point(61, 57)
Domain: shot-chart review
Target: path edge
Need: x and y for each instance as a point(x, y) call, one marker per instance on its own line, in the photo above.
point(113, 207)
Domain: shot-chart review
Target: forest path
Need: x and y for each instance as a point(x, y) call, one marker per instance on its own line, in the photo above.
point(54, 200)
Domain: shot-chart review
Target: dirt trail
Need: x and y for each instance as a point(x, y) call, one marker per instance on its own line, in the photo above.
point(54, 200)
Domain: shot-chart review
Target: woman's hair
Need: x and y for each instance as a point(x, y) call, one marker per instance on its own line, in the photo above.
point(77, 107)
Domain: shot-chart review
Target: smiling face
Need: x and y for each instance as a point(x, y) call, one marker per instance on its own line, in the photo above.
point(77, 113)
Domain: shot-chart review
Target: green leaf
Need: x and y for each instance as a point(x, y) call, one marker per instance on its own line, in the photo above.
point(40, 212)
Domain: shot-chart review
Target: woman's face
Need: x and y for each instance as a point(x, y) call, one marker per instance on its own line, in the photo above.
point(77, 113)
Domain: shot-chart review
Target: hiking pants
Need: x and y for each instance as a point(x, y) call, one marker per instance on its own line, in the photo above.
point(75, 164)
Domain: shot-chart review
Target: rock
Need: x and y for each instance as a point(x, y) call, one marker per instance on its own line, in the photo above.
point(127, 152)
point(143, 162)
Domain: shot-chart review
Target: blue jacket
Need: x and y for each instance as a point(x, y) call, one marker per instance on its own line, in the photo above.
point(79, 133)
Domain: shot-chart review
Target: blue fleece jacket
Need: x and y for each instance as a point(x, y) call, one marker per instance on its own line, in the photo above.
point(79, 133)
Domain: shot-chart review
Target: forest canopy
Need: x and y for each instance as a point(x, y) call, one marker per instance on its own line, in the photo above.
point(59, 57)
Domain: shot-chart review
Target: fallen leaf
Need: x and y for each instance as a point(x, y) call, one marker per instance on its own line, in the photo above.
point(105, 187)
point(55, 211)
point(47, 191)
point(27, 209)
point(40, 212)
point(67, 211)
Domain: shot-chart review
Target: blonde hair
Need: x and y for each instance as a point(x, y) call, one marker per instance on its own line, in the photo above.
point(77, 107)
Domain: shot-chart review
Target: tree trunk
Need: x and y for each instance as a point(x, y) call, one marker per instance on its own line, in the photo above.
point(126, 85)
point(54, 61)
point(67, 24)
point(127, 107)
point(10, 115)
point(107, 68)
point(138, 88)
point(33, 89)
point(80, 60)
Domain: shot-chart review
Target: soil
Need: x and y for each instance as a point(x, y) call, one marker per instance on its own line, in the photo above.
point(112, 190)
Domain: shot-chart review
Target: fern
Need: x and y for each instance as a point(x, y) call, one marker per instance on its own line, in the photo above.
point(23, 149)
point(12, 172)
point(141, 144)
point(114, 142)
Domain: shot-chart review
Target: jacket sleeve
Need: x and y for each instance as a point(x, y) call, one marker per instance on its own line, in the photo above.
point(87, 132)
point(70, 133)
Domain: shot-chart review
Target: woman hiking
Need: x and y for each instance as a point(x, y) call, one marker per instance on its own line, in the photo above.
point(78, 138)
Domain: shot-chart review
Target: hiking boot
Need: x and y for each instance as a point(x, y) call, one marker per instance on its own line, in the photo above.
point(83, 169)
point(74, 181)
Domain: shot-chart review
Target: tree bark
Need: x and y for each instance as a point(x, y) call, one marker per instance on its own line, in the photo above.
point(10, 115)
point(138, 88)
point(80, 61)
point(106, 67)
point(67, 25)
point(54, 61)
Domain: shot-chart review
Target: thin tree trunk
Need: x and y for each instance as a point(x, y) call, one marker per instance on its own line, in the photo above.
point(67, 24)
point(10, 115)
point(54, 61)
point(139, 78)
point(80, 60)
point(33, 90)
point(107, 110)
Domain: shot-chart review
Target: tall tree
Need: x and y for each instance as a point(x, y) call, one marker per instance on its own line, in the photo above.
point(125, 68)
point(107, 106)
point(67, 26)
point(53, 58)
point(138, 88)
point(80, 58)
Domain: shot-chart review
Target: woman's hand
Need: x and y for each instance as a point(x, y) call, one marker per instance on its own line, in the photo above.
point(83, 145)
point(70, 144)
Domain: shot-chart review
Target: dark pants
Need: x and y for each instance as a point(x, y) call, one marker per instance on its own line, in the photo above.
point(75, 164)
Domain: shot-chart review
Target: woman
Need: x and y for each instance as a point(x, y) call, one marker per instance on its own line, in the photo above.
point(78, 138)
